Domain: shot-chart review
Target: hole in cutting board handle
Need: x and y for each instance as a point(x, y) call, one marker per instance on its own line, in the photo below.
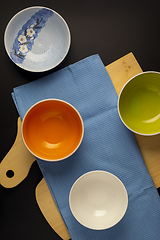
point(10, 173)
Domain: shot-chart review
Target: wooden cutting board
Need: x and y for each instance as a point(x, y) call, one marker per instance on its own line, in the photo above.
point(16, 164)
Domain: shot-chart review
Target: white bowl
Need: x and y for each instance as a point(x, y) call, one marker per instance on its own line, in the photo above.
point(98, 200)
point(37, 39)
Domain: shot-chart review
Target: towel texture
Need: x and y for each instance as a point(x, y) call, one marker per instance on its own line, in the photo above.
point(107, 145)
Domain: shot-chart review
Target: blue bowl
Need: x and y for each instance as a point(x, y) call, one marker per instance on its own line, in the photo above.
point(37, 39)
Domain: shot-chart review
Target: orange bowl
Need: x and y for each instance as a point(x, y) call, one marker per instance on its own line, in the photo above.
point(52, 130)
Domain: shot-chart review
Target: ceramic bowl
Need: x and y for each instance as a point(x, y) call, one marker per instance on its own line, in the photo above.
point(139, 103)
point(98, 200)
point(37, 39)
point(52, 130)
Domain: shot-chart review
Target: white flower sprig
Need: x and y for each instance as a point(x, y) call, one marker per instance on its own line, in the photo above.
point(26, 39)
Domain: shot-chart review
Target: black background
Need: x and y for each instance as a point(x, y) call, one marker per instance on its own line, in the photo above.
point(110, 28)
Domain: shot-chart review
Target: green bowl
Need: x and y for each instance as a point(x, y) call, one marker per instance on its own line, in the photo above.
point(139, 103)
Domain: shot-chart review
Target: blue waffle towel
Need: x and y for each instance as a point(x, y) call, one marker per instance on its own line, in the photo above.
point(107, 145)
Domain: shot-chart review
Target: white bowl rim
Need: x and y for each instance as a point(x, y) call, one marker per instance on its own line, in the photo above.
point(142, 134)
point(92, 172)
point(53, 99)
point(40, 7)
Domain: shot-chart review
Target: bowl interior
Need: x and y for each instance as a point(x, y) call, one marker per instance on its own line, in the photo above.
point(37, 39)
point(98, 200)
point(139, 103)
point(52, 130)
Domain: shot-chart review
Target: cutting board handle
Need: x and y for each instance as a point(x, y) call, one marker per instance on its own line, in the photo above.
point(16, 164)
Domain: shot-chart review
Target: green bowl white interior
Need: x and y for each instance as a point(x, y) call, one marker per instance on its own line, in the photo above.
point(37, 39)
point(139, 103)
